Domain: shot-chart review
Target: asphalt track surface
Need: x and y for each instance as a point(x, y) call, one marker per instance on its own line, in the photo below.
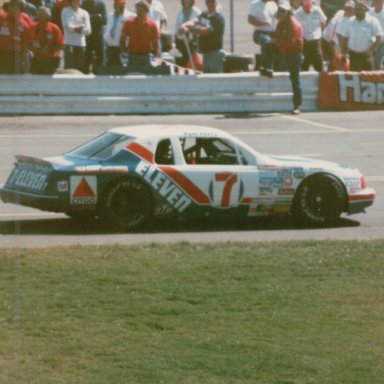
point(354, 138)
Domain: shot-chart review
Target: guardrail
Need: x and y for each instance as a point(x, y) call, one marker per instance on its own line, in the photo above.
point(245, 92)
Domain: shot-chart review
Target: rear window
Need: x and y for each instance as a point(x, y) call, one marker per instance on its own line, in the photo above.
point(102, 147)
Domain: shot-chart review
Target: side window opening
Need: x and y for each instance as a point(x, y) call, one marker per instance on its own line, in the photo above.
point(164, 153)
point(209, 151)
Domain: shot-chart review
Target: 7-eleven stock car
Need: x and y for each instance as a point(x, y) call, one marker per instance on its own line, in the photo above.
point(128, 175)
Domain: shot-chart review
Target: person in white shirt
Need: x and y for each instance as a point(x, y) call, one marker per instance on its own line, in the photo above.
point(360, 38)
point(262, 15)
point(188, 12)
point(331, 45)
point(312, 20)
point(378, 11)
point(157, 14)
point(76, 25)
point(116, 20)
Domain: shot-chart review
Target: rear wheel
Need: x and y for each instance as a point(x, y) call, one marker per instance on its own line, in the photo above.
point(126, 205)
point(320, 200)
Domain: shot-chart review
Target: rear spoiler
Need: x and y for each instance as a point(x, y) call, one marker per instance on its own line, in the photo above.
point(34, 161)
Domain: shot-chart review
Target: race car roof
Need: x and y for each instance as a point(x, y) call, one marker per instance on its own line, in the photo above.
point(156, 130)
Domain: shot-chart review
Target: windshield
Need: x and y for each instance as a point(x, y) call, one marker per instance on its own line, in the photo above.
point(101, 147)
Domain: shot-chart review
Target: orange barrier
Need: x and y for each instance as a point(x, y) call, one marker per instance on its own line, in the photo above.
point(351, 91)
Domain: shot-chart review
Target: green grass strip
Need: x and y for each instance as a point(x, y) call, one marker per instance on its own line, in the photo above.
point(281, 312)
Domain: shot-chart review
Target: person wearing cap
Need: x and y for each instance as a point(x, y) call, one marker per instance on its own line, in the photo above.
point(261, 15)
point(289, 40)
point(313, 21)
point(141, 38)
point(94, 50)
point(47, 43)
point(378, 11)
point(116, 20)
point(361, 38)
point(76, 24)
point(15, 34)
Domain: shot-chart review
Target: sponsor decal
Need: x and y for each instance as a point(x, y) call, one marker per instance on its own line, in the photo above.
point(226, 190)
point(286, 191)
point(299, 174)
point(200, 134)
point(101, 168)
point(267, 167)
point(30, 177)
point(266, 191)
point(351, 91)
point(161, 183)
point(83, 190)
point(62, 186)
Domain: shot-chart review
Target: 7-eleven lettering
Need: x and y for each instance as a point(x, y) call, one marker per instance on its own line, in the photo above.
point(225, 195)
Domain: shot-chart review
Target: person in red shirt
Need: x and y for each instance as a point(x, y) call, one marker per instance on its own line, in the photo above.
point(47, 42)
point(15, 34)
point(288, 38)
point(144, 39)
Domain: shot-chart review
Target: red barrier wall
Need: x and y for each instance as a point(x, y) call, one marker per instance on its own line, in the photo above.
point(351, 91)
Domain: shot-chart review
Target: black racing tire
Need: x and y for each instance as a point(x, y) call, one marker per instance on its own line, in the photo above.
point(126, 205)
point(319, 201)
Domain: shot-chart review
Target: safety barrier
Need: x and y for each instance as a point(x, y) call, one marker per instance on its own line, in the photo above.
point(245, 92)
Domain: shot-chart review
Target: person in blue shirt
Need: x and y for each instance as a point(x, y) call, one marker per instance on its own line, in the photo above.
point(209, 28)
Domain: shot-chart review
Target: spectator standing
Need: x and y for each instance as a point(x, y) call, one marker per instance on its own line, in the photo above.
point(312, 20)
point(15, 34)
point(209, 28)
point(290, 42)
point(94, 51)
point(360, 38)
point(157, 14)
point(331, 44)
point(112, 34)
point(47, 42)
point(378, 11)
point(188, 12)
point(143, 38)
point(76, 25)
point(262, 15)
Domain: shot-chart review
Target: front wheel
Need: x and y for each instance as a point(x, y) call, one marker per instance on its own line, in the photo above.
point(126, 205)
point(319, 201)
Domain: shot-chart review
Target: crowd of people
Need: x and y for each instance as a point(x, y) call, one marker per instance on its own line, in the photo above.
point(40, 36)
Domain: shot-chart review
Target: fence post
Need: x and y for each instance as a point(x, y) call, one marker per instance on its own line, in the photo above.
point(232, 25)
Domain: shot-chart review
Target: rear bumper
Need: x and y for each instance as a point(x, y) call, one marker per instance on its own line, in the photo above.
point(42, 202)
point(359, 202)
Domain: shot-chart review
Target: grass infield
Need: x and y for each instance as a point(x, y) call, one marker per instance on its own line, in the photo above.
point(285, 312)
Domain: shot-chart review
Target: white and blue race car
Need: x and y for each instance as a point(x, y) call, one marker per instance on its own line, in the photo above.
point(129, 175)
